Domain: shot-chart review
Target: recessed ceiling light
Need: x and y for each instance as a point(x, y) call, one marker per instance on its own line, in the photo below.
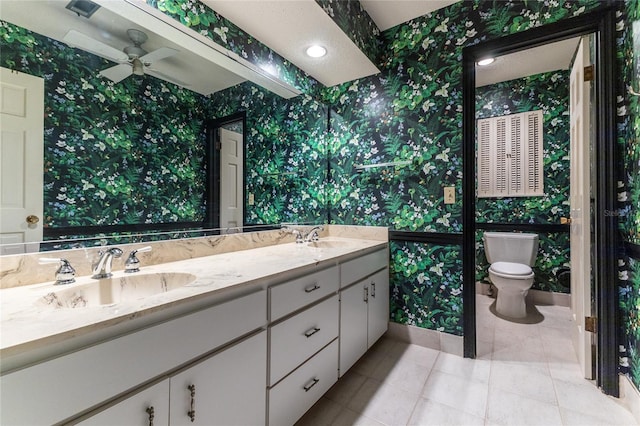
point(486, 61)
point(316, 51)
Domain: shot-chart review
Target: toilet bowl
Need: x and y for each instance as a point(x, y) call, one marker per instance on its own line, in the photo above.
point(511, 256)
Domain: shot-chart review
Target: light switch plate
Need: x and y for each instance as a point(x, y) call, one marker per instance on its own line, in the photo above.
point(449, 194)
point(252, 199)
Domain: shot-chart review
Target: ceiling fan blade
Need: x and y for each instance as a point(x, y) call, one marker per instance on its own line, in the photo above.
point(162, 76)
point(77, 39)
point(156, 55)
point(117, 73)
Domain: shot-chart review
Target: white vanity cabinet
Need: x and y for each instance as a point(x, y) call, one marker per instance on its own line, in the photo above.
point(65, 387)
point(364, 305)
point(228, 388)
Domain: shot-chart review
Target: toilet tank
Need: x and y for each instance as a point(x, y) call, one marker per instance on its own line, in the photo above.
point(513, 247)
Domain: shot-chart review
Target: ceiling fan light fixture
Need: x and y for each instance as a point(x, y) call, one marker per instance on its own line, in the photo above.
point(138, 69)
point(486, 61)
point(316, 51)
point(84, 8)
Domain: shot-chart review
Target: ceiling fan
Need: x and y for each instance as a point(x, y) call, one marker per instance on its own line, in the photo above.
point(131, 60)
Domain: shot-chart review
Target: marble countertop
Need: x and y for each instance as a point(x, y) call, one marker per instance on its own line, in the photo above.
point(30, 320)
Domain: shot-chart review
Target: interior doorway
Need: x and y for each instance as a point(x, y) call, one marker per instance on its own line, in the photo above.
point(225, 165)
point(602, 24)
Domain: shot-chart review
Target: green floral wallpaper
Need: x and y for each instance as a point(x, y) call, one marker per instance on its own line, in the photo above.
point(426, 286)
point(548, 92)
point(629, 276)
point(412, 112)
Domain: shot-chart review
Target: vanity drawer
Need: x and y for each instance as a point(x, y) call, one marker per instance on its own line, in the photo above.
point(298, 338)
point(292, 397)
point(297, 293)
point(356, 269)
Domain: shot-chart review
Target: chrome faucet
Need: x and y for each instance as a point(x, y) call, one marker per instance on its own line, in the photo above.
point(132, 264)
point(296, 232)
point(312, 235)
point(102, 269)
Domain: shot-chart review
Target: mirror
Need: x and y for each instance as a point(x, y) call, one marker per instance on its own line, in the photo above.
point(131, 156)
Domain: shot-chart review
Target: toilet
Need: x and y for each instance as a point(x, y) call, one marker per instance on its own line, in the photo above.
point(511, 256)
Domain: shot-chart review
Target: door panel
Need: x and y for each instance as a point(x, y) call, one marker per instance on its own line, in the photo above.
point(580, 210)
point(21, 163)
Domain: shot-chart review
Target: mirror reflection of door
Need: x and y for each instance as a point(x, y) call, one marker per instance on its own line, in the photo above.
point(21, 152)
point(225, 165)
point(231, 173)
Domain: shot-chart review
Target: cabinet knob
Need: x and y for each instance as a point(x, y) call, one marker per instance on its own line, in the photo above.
point(192, 412)
point(151, 414)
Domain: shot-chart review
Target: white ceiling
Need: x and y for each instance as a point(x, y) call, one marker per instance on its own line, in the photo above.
point(537, 60)
point(50, 18)
point(389, 13)
point(290, 27)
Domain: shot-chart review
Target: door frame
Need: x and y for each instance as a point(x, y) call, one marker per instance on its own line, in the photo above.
point(601, 22)
point(212, 168)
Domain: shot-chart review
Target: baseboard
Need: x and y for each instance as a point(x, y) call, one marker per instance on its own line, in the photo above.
point(630, 396)
point(433, 339)
point(537, 297)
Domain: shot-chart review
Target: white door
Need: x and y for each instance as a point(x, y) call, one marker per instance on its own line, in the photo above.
point(378, 315)
point(353, 324)
point(231, 182)
point(21, 163)
point(580, 209)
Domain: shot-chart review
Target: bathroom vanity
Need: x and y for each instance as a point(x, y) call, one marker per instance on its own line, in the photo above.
point(257, 337)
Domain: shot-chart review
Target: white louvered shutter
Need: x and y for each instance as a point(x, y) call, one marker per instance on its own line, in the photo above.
point(510, 161)
point(485, 182)
point(535, 158)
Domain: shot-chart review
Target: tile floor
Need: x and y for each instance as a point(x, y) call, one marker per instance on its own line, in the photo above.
point(525, 374)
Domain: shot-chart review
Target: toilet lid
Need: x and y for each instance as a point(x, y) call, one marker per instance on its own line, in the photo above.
point(510, 268)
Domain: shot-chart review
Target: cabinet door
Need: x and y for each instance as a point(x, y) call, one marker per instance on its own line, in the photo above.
point(353, 324)
point(145, 408)
point(229, 388)
point(378, 320)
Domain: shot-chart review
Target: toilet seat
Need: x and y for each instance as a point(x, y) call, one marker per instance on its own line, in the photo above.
point(511, 269)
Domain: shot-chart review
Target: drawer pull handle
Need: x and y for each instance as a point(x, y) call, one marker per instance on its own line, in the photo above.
point(192, 412)
point(311, 332)
point(151, 414)
point(311, 288)
point(308, 387)
point(373, 290)
point(366, 294)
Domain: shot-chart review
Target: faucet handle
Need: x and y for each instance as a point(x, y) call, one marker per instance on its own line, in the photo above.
point(132, 264)
point(65, 273)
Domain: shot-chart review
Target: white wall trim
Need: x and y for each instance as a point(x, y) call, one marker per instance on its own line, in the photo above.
point(433, 339)
point(630, 396)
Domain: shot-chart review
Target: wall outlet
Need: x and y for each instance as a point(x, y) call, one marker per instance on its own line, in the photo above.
point(449, 194)
point(252, 199)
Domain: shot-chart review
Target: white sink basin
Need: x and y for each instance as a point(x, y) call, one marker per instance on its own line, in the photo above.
point(116, 289)
point(325, 244)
